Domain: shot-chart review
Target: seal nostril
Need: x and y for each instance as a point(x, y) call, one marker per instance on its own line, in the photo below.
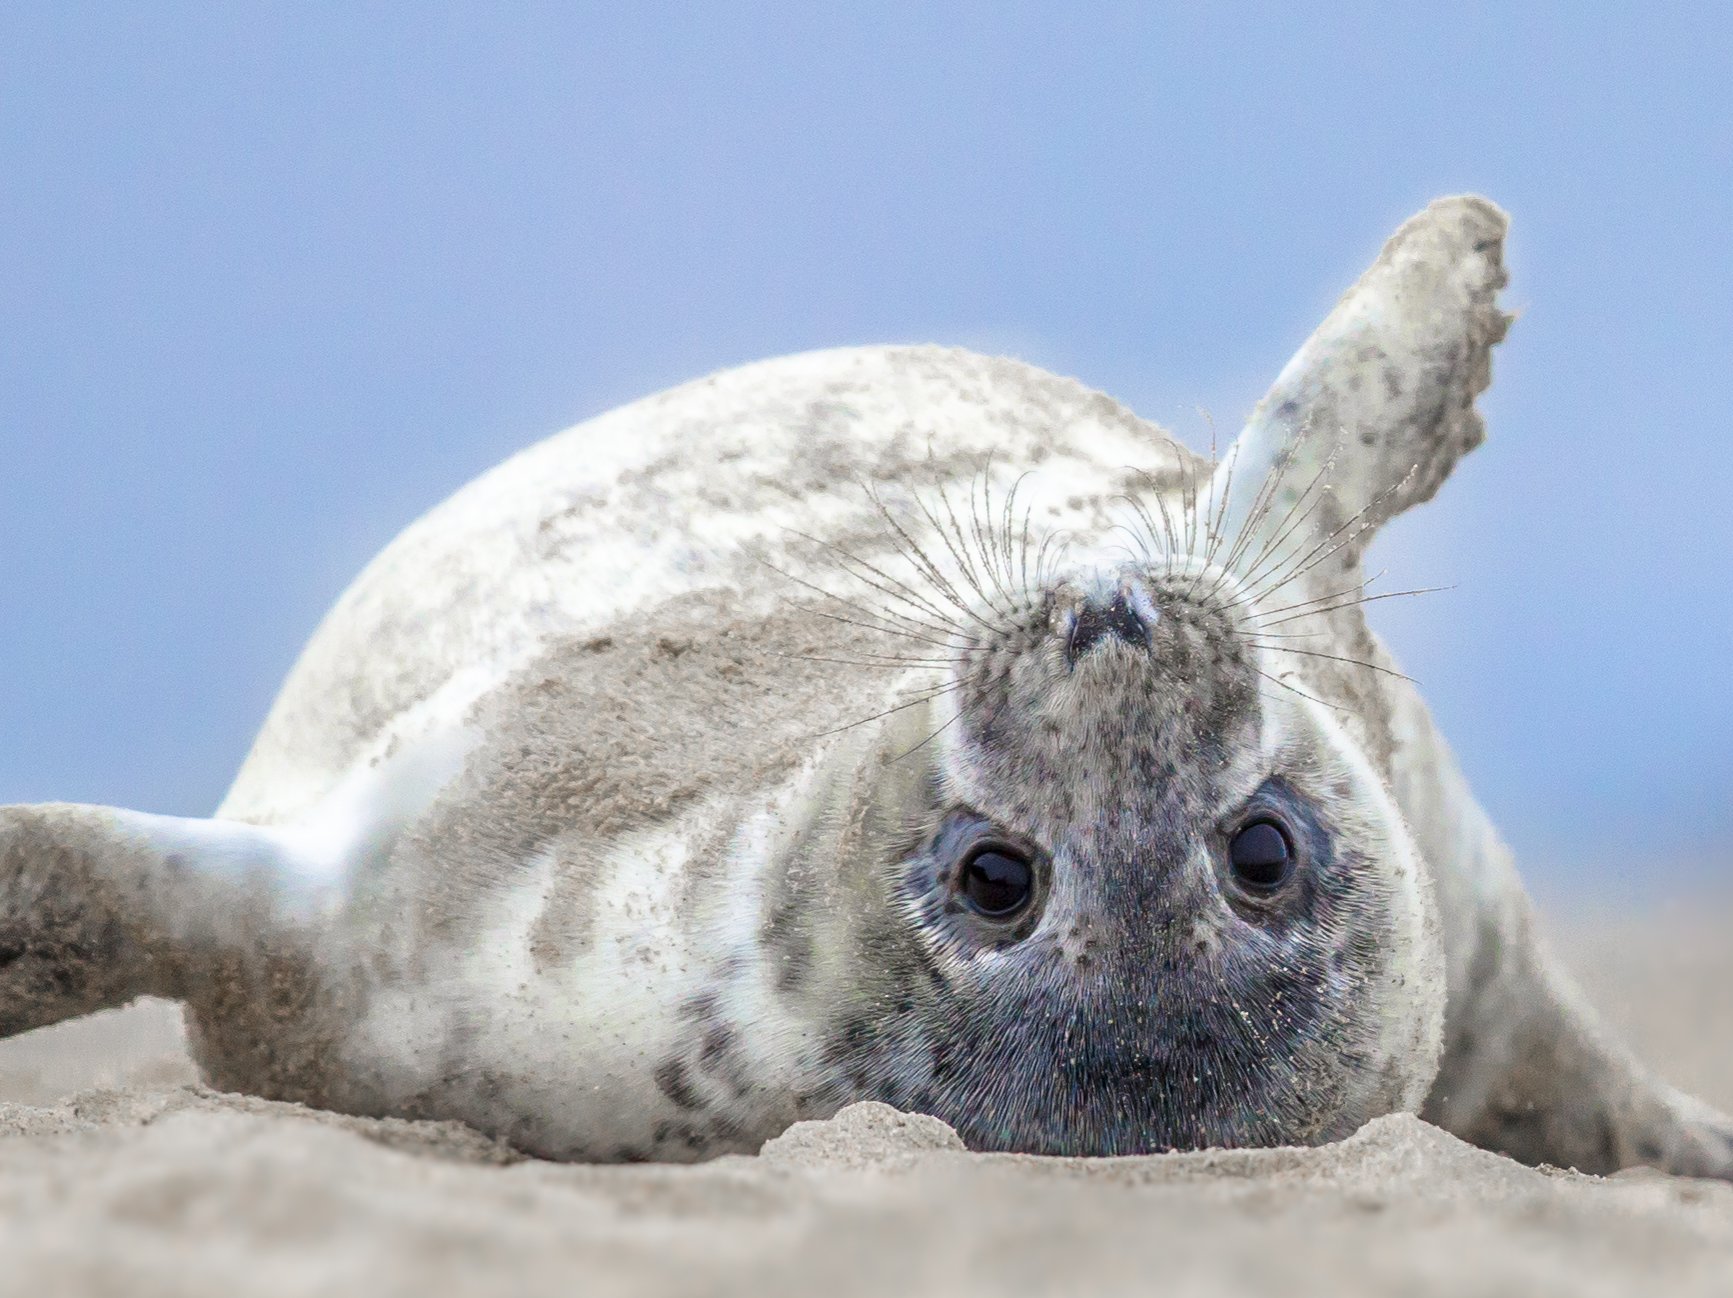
point(1094, 622)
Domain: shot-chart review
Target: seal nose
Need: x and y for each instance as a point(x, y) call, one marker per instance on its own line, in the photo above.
point(1096, 620)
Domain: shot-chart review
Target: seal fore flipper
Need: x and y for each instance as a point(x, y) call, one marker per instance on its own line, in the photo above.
point(100, 905)
point(1378, 405)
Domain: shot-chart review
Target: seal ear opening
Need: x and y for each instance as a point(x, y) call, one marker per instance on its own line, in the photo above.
point(1374, 411)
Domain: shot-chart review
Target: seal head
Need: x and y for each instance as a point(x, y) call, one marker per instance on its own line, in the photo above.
point(1149, 897)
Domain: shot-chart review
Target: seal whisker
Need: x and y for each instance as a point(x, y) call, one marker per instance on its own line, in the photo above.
point(1263, 501)
point(884, 614)
point(1144, 520)
point(1219, 512)
point(1306, 603)
point(1053, 546)
point(1214, 464)
point(948, 723)
point(1302, 693)
point(998, 528)
point(961, 551)
point(1197, 514)
point(1287, 527)
point(981, 522)
point(1206, 506)
point(928, 572)
point(891, 711)
point(912, 551)
point(1023, 552)
point(874, 660)
point(1340, 658)
point(895, 589)
point(1315, 492)
point(1354, 603)
point(1253, 525)
point(984, 557)
point(1133, 545)
point(882, 621)
point(1006, 533)
point(870, 666)
point(1313, 558)
point(1188, 499)
point(1167, 525)
point(940, 643)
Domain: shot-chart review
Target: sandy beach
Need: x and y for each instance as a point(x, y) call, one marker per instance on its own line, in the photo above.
point(119, 1175)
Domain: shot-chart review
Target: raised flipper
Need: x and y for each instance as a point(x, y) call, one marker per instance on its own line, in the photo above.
point(1373, 412)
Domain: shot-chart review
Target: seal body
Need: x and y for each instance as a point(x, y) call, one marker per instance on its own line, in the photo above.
point(887, 723)
point(634, 903)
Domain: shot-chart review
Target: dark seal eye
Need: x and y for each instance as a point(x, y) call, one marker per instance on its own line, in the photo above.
point(1262, 856)
point(997, 881)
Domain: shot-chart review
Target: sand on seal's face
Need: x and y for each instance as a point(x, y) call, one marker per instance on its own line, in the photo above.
point(154, 1186)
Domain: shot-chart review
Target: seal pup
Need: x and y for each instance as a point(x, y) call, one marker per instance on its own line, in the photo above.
point(887, 723)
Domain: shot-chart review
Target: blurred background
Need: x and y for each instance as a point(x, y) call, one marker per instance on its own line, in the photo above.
point(274, 280)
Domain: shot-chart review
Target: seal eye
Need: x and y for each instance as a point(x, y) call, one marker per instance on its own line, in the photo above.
point(996, 881)
point(1262, 856)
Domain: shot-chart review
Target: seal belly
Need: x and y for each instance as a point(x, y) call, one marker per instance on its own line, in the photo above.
point(587, 1014)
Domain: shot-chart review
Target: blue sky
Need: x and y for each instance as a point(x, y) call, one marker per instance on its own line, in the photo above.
point(273, 280)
